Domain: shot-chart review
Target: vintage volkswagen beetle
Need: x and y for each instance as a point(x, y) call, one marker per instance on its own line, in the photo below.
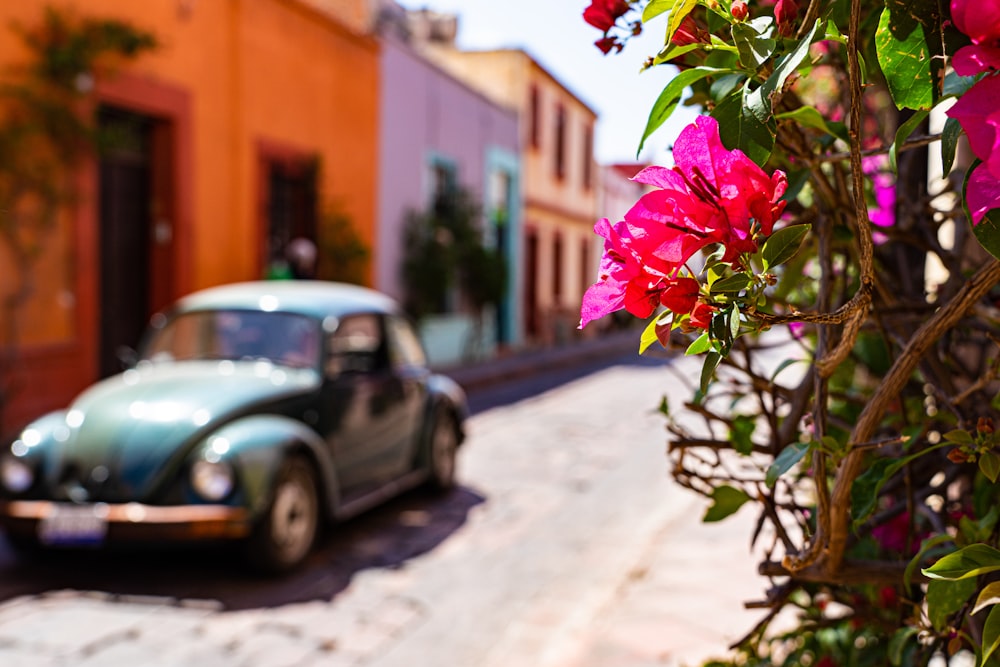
point(254, 412)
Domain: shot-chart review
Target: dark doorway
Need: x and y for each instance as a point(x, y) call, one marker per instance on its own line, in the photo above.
point(291, 207)
point(125, 213)
point(531, 284)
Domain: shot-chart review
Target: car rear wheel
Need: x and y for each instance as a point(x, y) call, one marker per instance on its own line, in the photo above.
point(286, 532)
point(443, 451)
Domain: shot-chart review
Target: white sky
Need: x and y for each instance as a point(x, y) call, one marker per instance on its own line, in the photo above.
point(555, 34)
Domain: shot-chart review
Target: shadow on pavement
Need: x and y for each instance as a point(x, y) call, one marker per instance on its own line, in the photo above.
point(386, 537)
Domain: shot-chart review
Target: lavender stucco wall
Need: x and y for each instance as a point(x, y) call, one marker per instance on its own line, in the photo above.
point(427, 114)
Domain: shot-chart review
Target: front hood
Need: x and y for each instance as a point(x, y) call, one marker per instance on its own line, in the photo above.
point(129, 429)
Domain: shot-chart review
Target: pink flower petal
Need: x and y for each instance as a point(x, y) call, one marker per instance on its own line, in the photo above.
point(982, 193)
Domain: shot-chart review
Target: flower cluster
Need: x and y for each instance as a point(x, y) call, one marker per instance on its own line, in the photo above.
point(604, 15)
point(712, 196)
point(977, 110)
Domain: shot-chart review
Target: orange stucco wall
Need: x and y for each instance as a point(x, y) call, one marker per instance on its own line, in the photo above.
point(237, 75)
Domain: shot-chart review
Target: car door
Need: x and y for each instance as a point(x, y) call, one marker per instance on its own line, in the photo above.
point(361, 400)
point(409, 368)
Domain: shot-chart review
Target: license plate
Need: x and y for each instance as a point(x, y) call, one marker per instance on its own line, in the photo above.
point(74, 525)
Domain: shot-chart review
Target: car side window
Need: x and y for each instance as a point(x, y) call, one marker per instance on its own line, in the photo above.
point(405, 348)
point(357, 346)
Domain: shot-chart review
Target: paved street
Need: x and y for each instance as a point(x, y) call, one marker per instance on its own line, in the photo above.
point(574, 550)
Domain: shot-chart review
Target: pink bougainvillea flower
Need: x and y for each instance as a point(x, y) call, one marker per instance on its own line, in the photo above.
point(732, 182)
point(883, 213)
point(602, 14)
point(635, 270)
point(982, 193)
point(689, 32)
point(701, 315)
point(680, 295)
point(980, 20)
point(979, 115)
point(786, 12)
point(606, 44)
point(712, 196)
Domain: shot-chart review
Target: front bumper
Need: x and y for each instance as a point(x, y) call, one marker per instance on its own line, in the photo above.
point(128, 521)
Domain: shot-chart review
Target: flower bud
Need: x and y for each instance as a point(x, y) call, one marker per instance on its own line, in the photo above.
point(985, 425)
point(739, 10)
point(957, 456)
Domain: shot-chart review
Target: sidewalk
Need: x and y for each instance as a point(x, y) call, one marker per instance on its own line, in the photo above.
point(525, 362)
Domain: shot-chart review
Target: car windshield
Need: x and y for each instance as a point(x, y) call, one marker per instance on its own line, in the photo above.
point(283, 338)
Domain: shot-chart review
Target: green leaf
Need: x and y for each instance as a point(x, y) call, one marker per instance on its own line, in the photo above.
point(864, 491)
point(783, 365)
point(671, 51)
point(949, 144)
point(908, 46)
point(741, 432)
point(712, 360)
point(759, 101)
point(970, 561)
point(739, 128)
point(730, 284)
point(648, 336)
point(959, 436)
point(726, 501)
point(991, 634)
point(989, 465)
point(734, 322)
point(678, 9)
point(655, 8)
point(664, 408)
point(753, 41)
point(784, 461)
point(724, 85)
point(955, 85)
point(699, 345)
point(902, 639)
point(903, 132)
point(927, 546)
point(990, 595)
point(811, 117)
point(671, 96)
point(782, 245)
point(944, 598)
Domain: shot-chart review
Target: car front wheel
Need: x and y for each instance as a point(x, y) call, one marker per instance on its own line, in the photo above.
point(287, 530)
point(443, 451)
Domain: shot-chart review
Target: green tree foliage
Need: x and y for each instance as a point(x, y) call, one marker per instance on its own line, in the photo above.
point(343, 255)
point(446, 264)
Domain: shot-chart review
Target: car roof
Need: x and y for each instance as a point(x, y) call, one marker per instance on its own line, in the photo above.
point(314, 298)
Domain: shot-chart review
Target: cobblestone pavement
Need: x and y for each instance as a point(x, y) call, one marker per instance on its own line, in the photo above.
point(582, 554)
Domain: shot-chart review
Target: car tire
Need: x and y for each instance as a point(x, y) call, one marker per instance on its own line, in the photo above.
point(285, 533)
point(442, 451)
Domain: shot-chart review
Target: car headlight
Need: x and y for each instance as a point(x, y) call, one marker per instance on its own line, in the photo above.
point(212, 480)
point(17, 476)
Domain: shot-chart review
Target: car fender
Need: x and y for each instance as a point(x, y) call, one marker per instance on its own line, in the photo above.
point(445, 393)
point(258, 444)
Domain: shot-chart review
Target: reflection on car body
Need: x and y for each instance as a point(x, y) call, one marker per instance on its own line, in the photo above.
point(255, 412)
